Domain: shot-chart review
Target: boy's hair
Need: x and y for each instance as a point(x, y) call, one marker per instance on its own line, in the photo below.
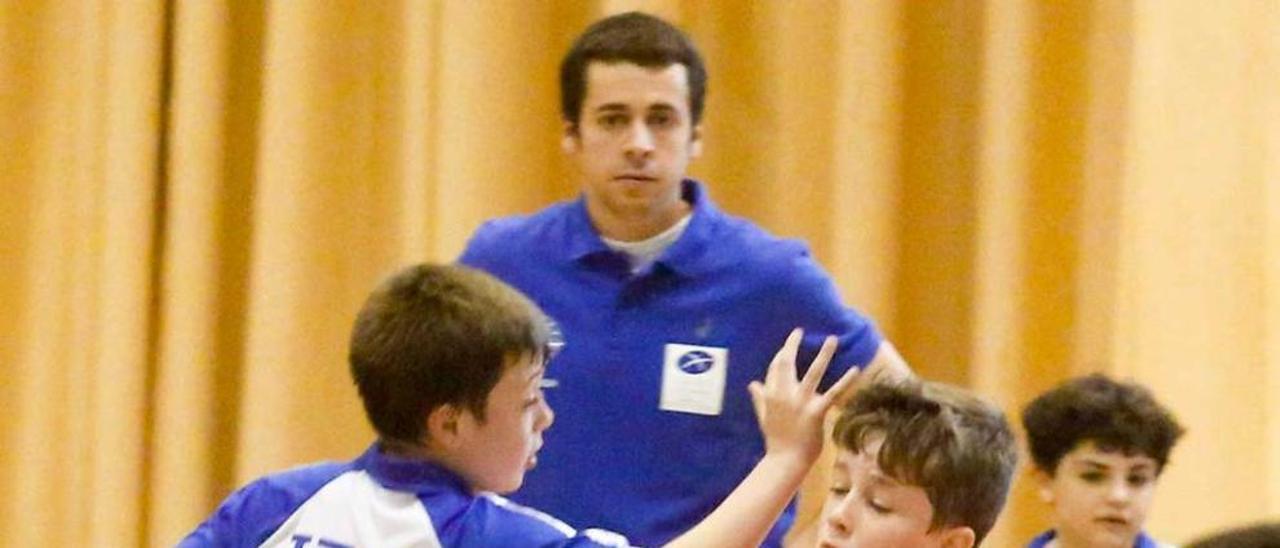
point(1258, 535)
point(1114, 416)
point(631, 37)
point(437, 334)
point(956, 447)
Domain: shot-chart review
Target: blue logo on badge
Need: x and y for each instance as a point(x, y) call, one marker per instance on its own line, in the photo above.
point(695, 362)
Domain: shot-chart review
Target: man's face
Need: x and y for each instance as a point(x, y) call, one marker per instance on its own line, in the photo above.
point(1100, 498)
point(495, 454)
point(633, 140)
point(868, 509)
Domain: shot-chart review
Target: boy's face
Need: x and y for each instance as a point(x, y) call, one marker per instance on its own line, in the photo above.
point(868, 509)
point(1100, 498)
point(494, 455)
point(633, 140)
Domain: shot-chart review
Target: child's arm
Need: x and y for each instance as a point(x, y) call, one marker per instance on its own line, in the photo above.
point(790, 413)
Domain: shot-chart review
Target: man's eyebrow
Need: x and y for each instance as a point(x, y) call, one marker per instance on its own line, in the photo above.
point(612, 107)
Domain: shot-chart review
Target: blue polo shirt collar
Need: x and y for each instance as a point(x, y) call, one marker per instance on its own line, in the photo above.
point(685, 256)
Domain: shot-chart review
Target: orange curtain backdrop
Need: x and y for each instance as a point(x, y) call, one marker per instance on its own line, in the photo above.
point(198, 195)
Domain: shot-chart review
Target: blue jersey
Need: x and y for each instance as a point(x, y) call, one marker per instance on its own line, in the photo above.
point(1143, 541)
point(380, 500)
point(654, 423)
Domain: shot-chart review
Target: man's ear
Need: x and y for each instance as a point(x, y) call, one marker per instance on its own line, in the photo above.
point(443, 426)
point(958, 537)
point(569, 139)
point(695, 142)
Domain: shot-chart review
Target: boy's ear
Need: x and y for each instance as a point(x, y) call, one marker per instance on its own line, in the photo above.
point(442, 426)
point(1043, 484)
point(695, 142)
point(958, 537)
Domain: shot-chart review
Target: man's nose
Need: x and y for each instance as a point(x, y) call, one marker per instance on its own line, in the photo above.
point(639, 141)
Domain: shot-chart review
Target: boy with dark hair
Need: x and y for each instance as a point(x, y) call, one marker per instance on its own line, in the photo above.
point(1099, 447)
point(449, 364)
point(1257, 535)
point(673, 306)
point(920, 464)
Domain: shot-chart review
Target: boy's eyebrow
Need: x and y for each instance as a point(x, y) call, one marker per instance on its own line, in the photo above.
point(1094, 464)
point(881, 478)
point(538, 370)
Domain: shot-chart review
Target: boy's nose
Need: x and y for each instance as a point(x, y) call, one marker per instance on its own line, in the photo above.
point(1118, 492)
point(840, 519)
point(546, 417)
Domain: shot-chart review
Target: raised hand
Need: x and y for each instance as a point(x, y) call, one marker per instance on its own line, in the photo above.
point(790, 410)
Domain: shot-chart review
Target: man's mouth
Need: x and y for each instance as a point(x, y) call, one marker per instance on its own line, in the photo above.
point(635, 178)
point(1113, 522)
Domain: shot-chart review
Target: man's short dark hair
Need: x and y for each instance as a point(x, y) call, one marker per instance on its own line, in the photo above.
point(437, 334)
point(632, 37)
point(955, 446)
point(1115, 416)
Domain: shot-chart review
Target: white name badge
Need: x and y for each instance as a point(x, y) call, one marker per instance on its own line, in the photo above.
point(693, 379)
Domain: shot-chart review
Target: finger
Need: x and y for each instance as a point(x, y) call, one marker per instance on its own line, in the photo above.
point(757, 399)
point(783, 368)
point(809, 384)
point(842, 385)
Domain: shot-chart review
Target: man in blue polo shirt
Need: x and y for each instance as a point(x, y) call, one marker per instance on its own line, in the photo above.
point(670, 306)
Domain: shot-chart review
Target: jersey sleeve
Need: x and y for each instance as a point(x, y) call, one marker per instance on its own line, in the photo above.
point(250, 514)
point(818, 309)
point(482, 247)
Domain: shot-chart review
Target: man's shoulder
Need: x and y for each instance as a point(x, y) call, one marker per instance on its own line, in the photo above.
point(502, 230)
point(752, 246)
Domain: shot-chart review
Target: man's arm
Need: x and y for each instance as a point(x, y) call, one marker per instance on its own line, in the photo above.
point(791, 414)
point(887, 365)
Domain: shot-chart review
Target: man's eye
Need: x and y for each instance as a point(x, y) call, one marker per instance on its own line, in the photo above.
point(613, 120)
point(661, 120)
point(839, 491)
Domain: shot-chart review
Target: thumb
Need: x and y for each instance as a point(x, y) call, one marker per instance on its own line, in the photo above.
point(757, 399)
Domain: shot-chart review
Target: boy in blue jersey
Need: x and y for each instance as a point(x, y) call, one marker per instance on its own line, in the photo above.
point(1099, 447)
point(449, 365)
point(920, 465)
point(673, 306)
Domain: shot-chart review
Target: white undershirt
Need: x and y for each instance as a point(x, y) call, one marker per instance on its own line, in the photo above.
point(644, 252)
